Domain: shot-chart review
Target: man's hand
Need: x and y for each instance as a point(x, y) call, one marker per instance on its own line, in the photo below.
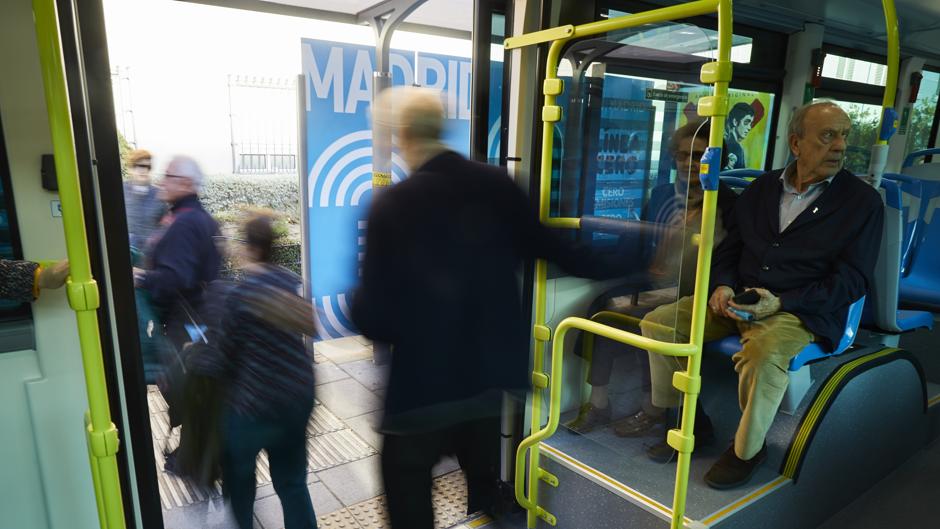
point(139, 275)
point(768, 305)
point(718, 303)
point(54, 276)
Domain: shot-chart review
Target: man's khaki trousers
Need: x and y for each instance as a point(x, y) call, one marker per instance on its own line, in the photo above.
point(767, 347)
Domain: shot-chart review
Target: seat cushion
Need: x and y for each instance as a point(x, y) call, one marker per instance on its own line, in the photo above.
point(732, 344)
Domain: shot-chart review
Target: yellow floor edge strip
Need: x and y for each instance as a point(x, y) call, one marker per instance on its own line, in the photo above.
point(612, 484)
point(933, 402)
point(750, 498)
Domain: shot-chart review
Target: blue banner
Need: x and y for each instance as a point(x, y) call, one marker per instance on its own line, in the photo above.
point(338, 186)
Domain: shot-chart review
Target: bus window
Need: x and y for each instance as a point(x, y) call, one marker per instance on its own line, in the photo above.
point(855, 70)
point(865, 122)
point(923, 113)
point(13, 315)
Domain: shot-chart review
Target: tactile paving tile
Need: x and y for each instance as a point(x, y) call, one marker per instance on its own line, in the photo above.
point(178, 492)
point(333, 449)
point(330, 443)
point(341, 519)
point(323, 421)
point(371, 514)
point(448, 496)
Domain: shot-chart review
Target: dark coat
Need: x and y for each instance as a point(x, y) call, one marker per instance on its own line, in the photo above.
point(439, 283)
point(184, 259)
point(819, 265)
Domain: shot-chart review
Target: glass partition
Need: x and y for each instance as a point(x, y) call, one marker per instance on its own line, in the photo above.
point(626, 162)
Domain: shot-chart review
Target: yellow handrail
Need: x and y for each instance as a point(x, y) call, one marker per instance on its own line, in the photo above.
point(717, 73)
point(101, 434)
point(894, 59)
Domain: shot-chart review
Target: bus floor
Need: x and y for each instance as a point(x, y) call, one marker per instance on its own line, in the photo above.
point(343, 472)
point(906, 498)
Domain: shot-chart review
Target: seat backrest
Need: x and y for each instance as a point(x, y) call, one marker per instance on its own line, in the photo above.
point(923, 267)
point(911, 190)
point(852, 322)
point(736, 183)
point(743, 173)
point(882, 304)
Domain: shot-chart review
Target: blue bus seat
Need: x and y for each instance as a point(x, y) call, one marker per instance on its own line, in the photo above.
point(743, 173)
point(920, 285)
point(881, 308)
point(911, 191)
point(798, 372)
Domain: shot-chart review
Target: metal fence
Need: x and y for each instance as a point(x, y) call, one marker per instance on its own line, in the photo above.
point(263, 123)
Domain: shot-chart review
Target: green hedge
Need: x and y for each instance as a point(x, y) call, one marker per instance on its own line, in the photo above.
point(286, 255)
point(224, 194)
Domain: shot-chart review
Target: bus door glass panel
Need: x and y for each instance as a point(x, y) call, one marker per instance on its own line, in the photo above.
point(612, 161)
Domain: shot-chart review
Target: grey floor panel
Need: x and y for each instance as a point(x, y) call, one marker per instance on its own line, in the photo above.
point(624, 459)
point(348, 398)
point(579, 504)
point(906, 498)
point(368, 374)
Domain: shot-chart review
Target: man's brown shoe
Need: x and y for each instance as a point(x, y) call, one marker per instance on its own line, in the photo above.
point(730, 471)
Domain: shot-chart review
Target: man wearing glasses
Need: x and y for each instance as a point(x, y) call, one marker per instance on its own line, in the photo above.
point(182, 258)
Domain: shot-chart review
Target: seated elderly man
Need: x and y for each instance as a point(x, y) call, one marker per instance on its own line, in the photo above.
point(805, 238)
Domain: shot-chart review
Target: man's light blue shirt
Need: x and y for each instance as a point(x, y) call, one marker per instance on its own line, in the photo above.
point(792, 202)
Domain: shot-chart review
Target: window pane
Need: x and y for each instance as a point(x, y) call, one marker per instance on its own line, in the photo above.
point(741, 46)
point(922, 114)
point(855, 70)
point(8, 250)
point(865, 122)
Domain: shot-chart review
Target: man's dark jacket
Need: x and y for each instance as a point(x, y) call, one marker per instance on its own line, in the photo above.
point(185, 258)
point(819, 265)
point(439, 283)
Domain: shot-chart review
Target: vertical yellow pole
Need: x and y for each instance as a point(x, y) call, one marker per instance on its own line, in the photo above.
point(690, 381)
point(82, 290)
point(894, 60)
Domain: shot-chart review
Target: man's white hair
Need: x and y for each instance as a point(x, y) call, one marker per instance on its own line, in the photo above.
point(186, 167)
point(411, 111)
point(798, 119)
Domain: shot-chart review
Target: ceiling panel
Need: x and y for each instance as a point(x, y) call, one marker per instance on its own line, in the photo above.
point(451, 14)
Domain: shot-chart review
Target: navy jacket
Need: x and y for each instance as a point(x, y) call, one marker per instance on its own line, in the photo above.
point(184, 259)
point(819, 265)
point(439, 283)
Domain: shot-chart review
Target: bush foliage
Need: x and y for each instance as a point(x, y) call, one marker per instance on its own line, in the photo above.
point(225, 196)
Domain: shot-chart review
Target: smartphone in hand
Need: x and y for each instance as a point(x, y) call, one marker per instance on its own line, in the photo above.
point(743, 314)
point(748, 297)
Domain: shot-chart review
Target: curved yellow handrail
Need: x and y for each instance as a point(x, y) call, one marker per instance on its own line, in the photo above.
point(719, 74)
point(101, 434)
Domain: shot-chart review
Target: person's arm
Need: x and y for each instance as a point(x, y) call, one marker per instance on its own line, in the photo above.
point(19, 280)
point(851, 273)
point(23, 280)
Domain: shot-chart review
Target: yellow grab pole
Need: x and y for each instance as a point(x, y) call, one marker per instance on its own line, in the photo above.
point(689, 382)
point(101, 433)
point(894, 60)
point(719, 74)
